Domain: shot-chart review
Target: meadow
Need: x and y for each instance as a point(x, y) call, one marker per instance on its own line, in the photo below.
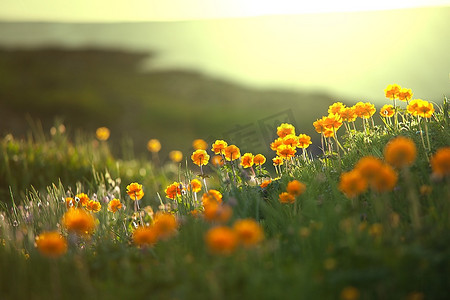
point(367, 218)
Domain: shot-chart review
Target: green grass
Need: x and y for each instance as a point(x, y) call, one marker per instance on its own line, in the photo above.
point(313, 249)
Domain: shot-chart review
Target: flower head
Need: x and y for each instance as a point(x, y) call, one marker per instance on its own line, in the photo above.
point(232, 153)
point(102, 133)
point(440, 162)
point(285, 129)
point(392, 91)
point(173, 190)
point(200, 157)
point(265, 183)
point(221, 240)
point(286, 198)
point(369, 167)
point(333, 122)
point(247, 160)
point(217, 212)
point(385, 180)
point(249, 232)
point(352, 183)
point(421, 108)
point(211, 196)
point(277, 161)
point(82, 198)
point(304, 141)
point(51, 244)
point(286, 151)
point(195, 185)
point(290, 140)
point(405, 94)
point(387, 111)
point(364, 110)
point(336, 108)
point(348, 114)
point(259, 159)
point(217, 160)
point(114, 205)
point(134, 190)
point(145, 236)
point(79, 221)
point(93, 206)
point(400, 152)
point(219, 147)
point(176, 156)
point(276, 143)
point(70, 202)
point(154, 145)
point(200, 144)
point(295, 188)
point(319, 125)
point(165, 225)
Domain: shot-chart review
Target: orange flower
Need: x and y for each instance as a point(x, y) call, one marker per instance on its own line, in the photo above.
point(364, 110)
point(134, 190)
point(328, 133)
point(400, 152)
point(304, 141)
point(277, 161)
point(275, 144)
point(286, 198)
point(387, 111)
point(217, 161)
point(247, 160)
point(405, 94)
point(93, 206)
point(200, 157)
point(219, 147)
point(82, 198)
point(195, 185)
point(102, 133)
point(352, 183)
point(232, 153)
point(265, 183)
point(412, 106)
point(350, 293)
point(200, 144)
point(259, 159)
point(440, 162)
point(333, 122)
point(79, 221)
point(153, 145)
point(286, 151)
point(336, 108)
point(285, 129)
point(319, 125)
point(392, 91)
point(385, 180)
point(249, 232)
point(221, 240)
point(70, 202)
point(51, 244)
point(422, 108)
point(145, 236)
point(114, 205)
point(295, 188)
point(175, 156)
point(368, 167)
point(217, 212)
point(211, 196)
point(173, 190)
point(165, 225)
point(290, 140)
point(348, 114)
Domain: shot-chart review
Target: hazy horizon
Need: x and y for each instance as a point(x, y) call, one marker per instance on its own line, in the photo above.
point(351, 55)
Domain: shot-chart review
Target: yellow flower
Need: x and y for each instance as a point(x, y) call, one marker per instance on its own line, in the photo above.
point(173, 190)
point(352, 183)
point(400, 152)
point(200, 157)
point(422, 108)
point(286, 151)
point(221, 240)
point(387, 111)
point(328, 133)
point(51, 244)
point(247, 160)
point(290, 140)
point(200, 144)
point(195, 185)
point(286, 198)
point(259, 159)
point(93, 206)
point(154, 145)
point(219, 147)
point(336, 108)
point(175, 156)
point(249, 232)
point(82, 198)
point(114, 205)
point(440, 162)
point(217, 161)
point(232, 153)
point(79, 221)
point(134, 190)
point(102, 133)
point(348, 114)
point(165, 225)
point(277, 161)
point(392, 91)
point(319, 125)
point(369, 167)
point(145, 236)
point(304, 141)
point(275, 144)
point(364, 110)
point(285, 129)
point(405, 94)
point(211, 196)
point(295, 188)
point(332, 122)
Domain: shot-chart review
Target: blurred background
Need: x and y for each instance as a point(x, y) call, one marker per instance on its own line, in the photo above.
point(181, 70)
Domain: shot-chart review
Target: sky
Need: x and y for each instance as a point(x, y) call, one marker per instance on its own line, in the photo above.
point(179, 10)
